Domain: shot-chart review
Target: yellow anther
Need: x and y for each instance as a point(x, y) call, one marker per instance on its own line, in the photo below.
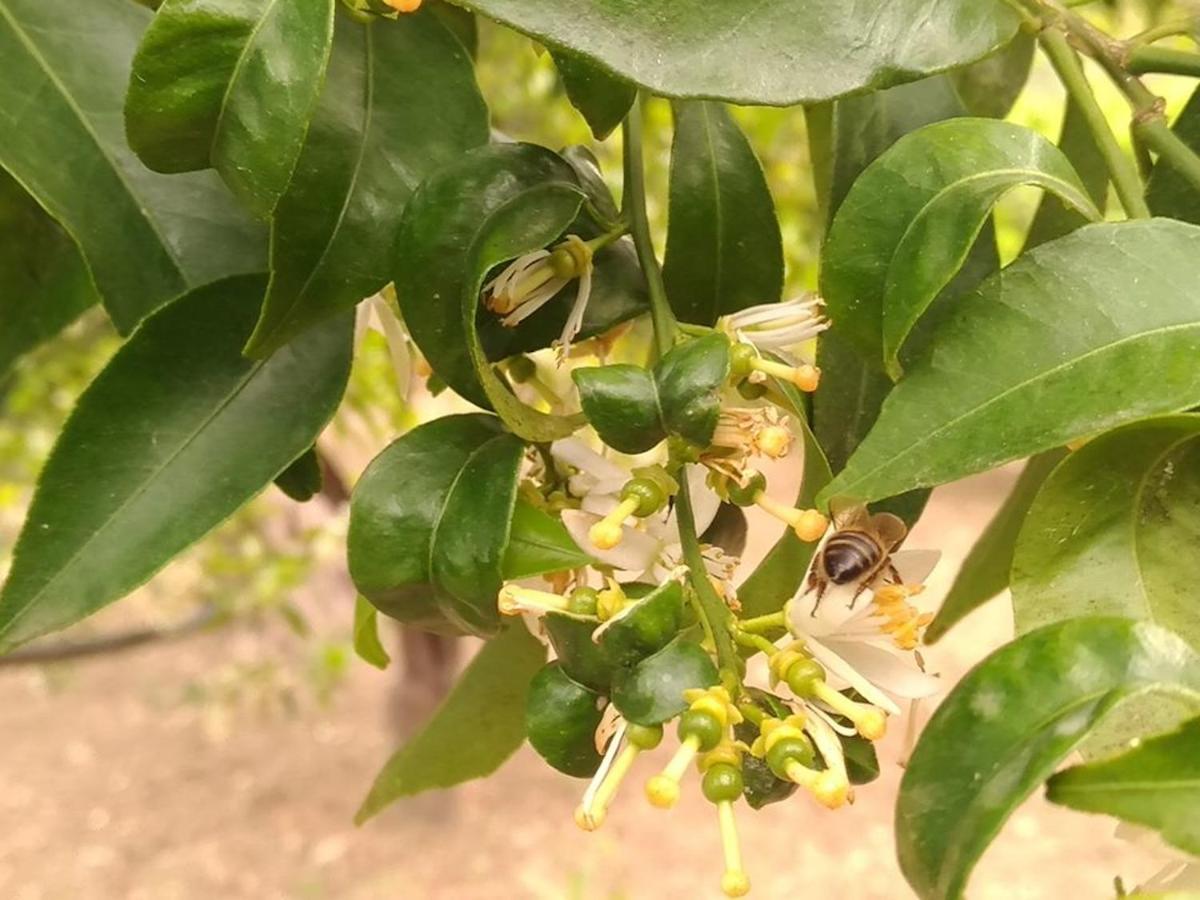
point(663, 790)
point(728, 752)
point(610, 601)
point(735, 882)
point(714, 707)
point(902, 621)
point(870, 721)
point(609, 531)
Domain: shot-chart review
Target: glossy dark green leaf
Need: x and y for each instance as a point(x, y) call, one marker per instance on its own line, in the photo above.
point(859, 129)
point(1005, 727)
point(367, 645)
point(176, 433)
point(478, 726)
point(494, 205)
point(985, 571)
point(580, 657)
point(652, 691)
point(587, 172)
point(399, 102)
point(991, 86)
point(633, 409)
point(862, 763)
point(724, 251)
point(643, 627)
point(429, 521)
point(146, 238)
point(780, 54)
point(460, 22)
point(44, 285)
point(561, 718)
point(539, 543)
point(911, 218)
point(229, 84)
point(302, 479)
point(1078, 336)
point(777, 578)
point(1169, 193)
point(1055, 218)
point(1114, 531)
point(1156, 785)
point(602, 98)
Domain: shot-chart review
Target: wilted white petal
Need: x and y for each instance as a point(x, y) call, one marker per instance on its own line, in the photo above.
point(575, 319)
point(397, 342)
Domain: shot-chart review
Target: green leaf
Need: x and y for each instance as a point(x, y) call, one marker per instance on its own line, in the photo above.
point(429, 521)
point(724, 251)
point(561, 718)
point(1156, 784)
point(301, 481)
point(985, 571)
point(991, 86)
point(229, 84)
point(643, 627)
point(44, 285)
point(1078, 336)
point(1168, 193)
point(633, 409)
point(175, 434)
point(479, 725)
point(911, 218)
point(1005, 727)
point(146, 238)
point(778, 577)
point(1055, 218)
point(1114, 531)
point(366, 635)
point(651, 692)
point(602, 99)
point(495, 204)
point(460, 23)
point(580, 657)
point(779, 54)
point(400, 101)
point(538, 544)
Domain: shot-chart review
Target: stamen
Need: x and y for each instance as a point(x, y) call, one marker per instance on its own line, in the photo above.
point(514, 600)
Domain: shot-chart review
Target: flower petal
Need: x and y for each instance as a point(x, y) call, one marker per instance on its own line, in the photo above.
point(835, 665)
point(574, 452)
point(892, 672)
point(915, 566)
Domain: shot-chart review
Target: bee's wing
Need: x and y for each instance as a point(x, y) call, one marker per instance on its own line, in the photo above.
point(846, 512)
point(890, 529)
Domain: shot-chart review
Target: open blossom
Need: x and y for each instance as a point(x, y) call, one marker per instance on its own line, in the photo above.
point(647, 547)
point(530, 281)
point(871, 647)
point(778, 327)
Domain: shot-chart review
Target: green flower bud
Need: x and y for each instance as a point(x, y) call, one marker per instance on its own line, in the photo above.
point(703, 726)
point(722, 783)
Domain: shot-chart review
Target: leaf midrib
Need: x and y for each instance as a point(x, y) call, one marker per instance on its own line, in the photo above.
point(141, 489)
point(1095, 351)
point(68, 98)
point(243, 56)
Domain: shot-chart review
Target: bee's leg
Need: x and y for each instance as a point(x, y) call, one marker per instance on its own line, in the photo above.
point(894, 573)
point(819, 586)
point(857, 593)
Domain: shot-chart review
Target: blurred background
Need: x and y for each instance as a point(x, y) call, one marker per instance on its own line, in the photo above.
point(221, 737)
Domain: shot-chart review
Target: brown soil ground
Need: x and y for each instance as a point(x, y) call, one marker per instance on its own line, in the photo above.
point(116, 785)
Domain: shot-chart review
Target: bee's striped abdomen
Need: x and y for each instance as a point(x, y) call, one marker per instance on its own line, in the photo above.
point(849, 555)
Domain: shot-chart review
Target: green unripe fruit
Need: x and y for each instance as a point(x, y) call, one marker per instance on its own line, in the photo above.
point(803, 675)
point(745, 496)
point(521, 369)
point(701, 725)
point(741, 356)
point(562, 263)
point(644, 737)
point(583, 601)
point(792, 749)
point(649, 495)
point(751, 390)
point(722, 783)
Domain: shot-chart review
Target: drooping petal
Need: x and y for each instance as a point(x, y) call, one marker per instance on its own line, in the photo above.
point(840, 668)
point(898, 675)
point(603, 475)
point(397, 342)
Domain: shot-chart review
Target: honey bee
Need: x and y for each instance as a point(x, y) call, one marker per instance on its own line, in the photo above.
point(859, 550)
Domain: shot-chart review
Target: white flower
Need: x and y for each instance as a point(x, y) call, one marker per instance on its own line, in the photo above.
point(778, 327)
point(377, 314)
point(871, 647)
point(648, 548)
point(530, 281)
